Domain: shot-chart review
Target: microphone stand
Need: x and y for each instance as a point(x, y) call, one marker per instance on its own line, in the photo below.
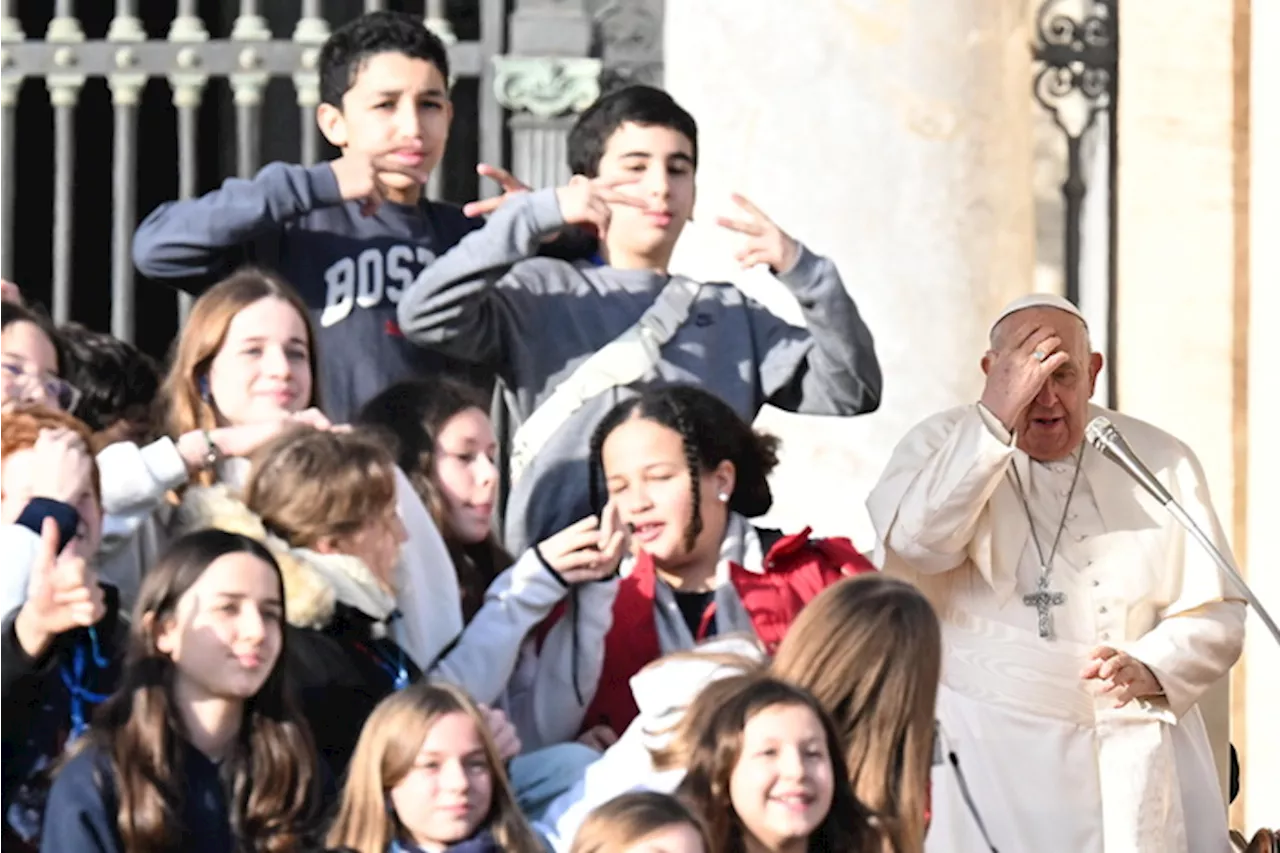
point(1175, 509)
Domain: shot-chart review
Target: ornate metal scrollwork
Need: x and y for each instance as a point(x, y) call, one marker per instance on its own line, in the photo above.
point(1078, 59)
point(1076, 64)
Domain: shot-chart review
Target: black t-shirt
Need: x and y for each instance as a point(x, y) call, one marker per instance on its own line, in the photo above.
point(692, 607)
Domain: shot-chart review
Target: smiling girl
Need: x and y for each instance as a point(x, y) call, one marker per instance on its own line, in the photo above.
point(767, 776)
point(426, 776)
point(200, 748)
point(243, 370)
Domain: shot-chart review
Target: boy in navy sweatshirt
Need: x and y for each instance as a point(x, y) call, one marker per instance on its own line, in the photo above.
point(535, 320)
point(351, 234)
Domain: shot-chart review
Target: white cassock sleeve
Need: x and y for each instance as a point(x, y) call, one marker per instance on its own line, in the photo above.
point(931, 497)
point(1200, 631)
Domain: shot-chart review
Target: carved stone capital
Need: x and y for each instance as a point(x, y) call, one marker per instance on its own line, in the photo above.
point(546, 86)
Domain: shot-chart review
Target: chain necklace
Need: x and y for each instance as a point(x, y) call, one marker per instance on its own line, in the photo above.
point(1044, 598)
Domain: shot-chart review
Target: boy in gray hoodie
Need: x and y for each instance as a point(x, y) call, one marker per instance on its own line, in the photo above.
point(534, 320)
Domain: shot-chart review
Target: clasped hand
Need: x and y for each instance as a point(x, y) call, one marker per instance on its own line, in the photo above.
point(1121, 675)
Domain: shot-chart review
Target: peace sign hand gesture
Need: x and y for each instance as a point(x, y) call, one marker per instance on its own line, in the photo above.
point(63, 594)
point(511, 185)
point(766, 243)
point(587, 201)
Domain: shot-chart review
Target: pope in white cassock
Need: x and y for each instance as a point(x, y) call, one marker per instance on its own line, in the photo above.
point(1080, 624)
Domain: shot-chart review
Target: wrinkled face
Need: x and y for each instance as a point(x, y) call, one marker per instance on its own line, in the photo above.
point(377, 544)
point(397, 107)
point(1052, 427)
point(29, 369)
point(661, 159)
point(647, 476)
point(225, 634)
point(782, 785)
point(447, 794)
point(677, 838)
point(263, 370)
point(466, 474)
point(17, 479)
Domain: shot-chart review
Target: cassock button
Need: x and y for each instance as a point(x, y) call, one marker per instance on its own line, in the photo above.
point(1106, 636)
point(1102, 610)
point(1095, 582)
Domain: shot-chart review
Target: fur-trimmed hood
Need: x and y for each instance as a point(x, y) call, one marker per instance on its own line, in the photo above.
point(313, 582)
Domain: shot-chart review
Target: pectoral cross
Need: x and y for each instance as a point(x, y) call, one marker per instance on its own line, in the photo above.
point(1042, 599)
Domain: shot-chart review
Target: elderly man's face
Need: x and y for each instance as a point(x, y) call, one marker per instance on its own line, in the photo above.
point(1052, 426)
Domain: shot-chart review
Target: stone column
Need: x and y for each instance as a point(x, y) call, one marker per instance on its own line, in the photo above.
point(1258, 688)
point(1181, 262)
point(548, 76)
point(894, 138)
point(562, 56)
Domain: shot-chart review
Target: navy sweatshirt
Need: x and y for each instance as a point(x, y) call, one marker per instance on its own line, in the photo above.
point(350, 269)
point(83, 804)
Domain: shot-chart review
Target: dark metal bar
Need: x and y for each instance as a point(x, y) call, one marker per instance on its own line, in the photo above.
point(64, 168)
point(1113, 218)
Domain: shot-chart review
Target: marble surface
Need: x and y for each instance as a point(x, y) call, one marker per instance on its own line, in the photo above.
point(895, 138)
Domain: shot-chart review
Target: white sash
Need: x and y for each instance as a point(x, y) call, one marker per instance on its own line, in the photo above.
point(997, 664)
point(626, 359)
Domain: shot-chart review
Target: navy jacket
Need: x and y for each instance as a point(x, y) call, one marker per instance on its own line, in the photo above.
point(48, 701)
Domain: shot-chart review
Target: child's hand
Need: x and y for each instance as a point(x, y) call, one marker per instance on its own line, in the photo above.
point(766, 243)
point(585, 551)
point(585, 201)
point(9, 292)
point(510, 184)
point(62, 594)
point(358, 178)
point(599, 738)
point(504, 735)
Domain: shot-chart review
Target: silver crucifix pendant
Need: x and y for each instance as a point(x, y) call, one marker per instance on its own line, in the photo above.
point(1042, 599)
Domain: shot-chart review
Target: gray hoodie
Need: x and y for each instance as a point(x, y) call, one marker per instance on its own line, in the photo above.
point(533, 320)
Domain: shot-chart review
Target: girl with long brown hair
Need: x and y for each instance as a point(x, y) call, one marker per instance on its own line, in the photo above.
point(426, 775)
point(200, 748)
point(766, 775)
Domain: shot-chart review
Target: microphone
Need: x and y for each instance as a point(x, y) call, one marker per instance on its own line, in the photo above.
point(1108, 441)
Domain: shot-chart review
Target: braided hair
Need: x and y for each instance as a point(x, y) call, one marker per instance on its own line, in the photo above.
point(711, 432)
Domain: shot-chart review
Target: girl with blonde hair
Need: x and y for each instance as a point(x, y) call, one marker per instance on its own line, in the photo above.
point(426, 775)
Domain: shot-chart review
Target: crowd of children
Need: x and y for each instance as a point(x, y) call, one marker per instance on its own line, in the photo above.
point(296, 592)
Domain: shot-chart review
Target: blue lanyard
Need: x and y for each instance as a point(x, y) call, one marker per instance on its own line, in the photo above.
point(73, 679)
point(397, 672)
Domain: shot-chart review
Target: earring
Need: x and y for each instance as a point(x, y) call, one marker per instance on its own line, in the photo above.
point(724, 497)
point(204, 388)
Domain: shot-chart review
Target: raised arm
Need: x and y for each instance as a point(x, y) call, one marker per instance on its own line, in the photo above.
point(453, 306)
point(828, 368)
point(202, 236)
